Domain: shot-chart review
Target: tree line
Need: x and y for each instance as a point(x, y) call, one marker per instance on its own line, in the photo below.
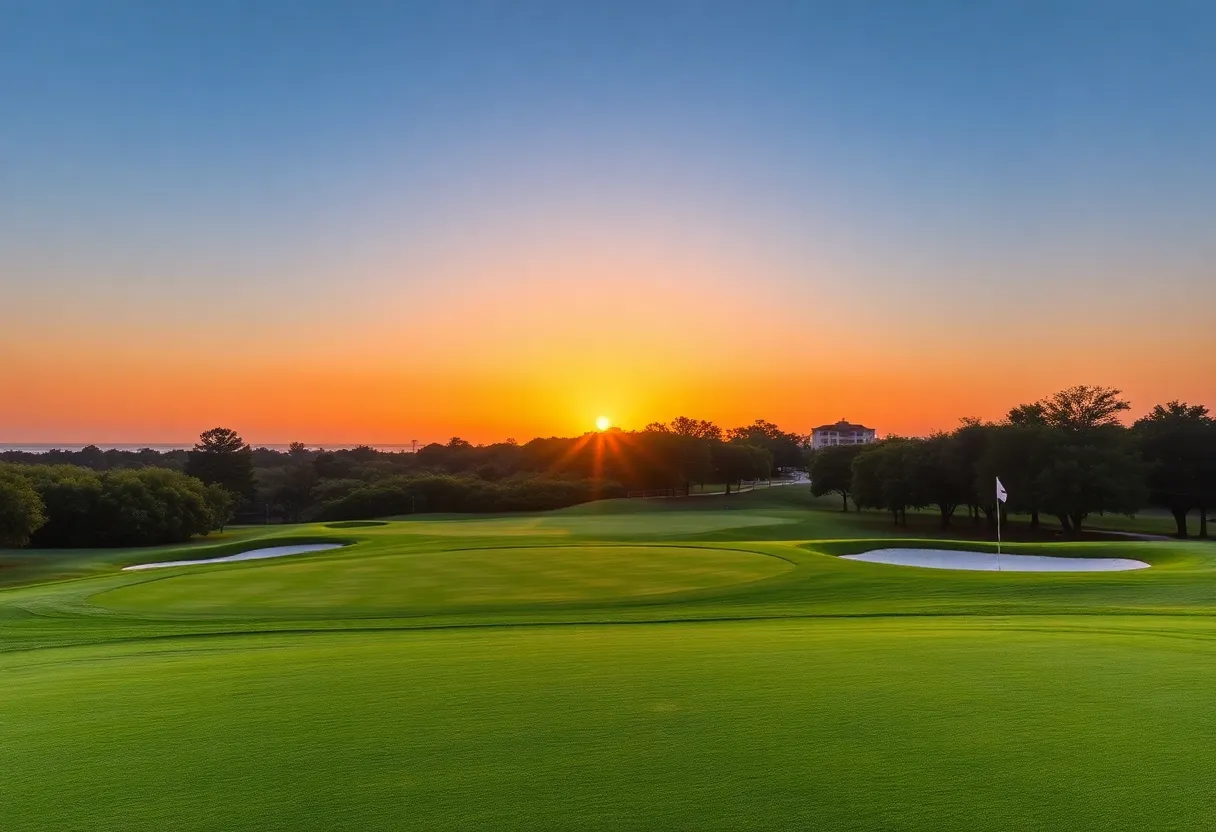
point(1067, 456)
point(72, 498)
point(63, 506)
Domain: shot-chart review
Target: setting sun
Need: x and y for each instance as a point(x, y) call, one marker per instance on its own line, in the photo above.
point(602, 423)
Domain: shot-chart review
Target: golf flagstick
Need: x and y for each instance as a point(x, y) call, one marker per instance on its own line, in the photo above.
point(1001, 496)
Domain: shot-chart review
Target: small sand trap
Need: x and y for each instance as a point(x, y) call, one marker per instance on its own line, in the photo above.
point(252, 554)
point(987, 561)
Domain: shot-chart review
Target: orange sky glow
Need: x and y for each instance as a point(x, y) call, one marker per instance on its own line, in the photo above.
point(509, 230)
point(541, 342)
point(490, 388)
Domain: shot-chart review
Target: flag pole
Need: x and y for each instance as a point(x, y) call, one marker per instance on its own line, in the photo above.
point(998, 525)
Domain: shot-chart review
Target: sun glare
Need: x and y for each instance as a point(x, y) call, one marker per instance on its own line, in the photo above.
point(602, 423)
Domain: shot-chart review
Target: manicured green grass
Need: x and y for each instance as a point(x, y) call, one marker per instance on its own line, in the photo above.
point(832, 725)
point(428, 582)
point(667, 665)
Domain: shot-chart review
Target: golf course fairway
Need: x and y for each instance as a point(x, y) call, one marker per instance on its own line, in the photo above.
point(665, 665)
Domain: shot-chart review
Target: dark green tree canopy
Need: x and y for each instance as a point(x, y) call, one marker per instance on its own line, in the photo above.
point(1083, 407)
point(734, 462)
point(686, 426)
point(1098, 471)
point(1178, 443)
point(1067, 455)
point(832, 471)
point(21, 510)
point(1027, 414)
point(942, 473)
point(222, 457)
point(884, 477)
point(1018, 453)
point(122, 507)
point(785, 448)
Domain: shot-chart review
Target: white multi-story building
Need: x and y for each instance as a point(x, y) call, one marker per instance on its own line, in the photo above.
point(841, 433)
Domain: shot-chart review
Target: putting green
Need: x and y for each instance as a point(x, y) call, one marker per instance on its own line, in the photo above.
point(414, 583)
point(664, 524)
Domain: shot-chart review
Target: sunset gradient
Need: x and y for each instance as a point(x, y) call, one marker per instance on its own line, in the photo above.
point(492, 220)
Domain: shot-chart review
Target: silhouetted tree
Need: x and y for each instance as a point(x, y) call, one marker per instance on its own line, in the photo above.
point(1068, 455)
point(941, 474)
point(222, 505)
point(222, 457)
point(696, 428)
point(1096, 470)
point(734, 463)
point(91, 456)
point(363, 453)
point(883, 477)
point(1027, 414)
point(831, 470)
point(1083, 407)
point(1178, 443)
point(1020, 454)
point(972, 438)
point(330, 466)
point(785, 448)
point(289, 487)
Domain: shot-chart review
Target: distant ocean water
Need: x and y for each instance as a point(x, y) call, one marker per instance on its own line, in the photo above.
point(43, 447)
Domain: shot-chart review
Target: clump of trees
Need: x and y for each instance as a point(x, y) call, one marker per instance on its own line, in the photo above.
point(831, 471)
point(21, 509)
point(62, 506)
point(456, 493)
point(1178, 442)
point(245, 484)
point(696, 451)
point(1067, 456)
point(223, 458)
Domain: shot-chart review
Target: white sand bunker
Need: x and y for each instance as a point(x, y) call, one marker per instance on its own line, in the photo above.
point(252, 554)
point(988, 562)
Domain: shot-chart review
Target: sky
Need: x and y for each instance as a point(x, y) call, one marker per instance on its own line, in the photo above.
point(387, 221)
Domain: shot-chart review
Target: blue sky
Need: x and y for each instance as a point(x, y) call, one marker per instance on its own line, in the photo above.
point(934, 170)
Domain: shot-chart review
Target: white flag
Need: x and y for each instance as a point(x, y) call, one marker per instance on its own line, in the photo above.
point(1001, 494)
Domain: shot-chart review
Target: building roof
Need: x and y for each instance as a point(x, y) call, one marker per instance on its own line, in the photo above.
point(842, 426)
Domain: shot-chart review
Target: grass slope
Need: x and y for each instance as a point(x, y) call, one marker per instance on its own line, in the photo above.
point(674, 664)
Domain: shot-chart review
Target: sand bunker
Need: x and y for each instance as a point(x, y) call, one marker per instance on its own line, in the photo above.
point(252, 554)
point(987, 561)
